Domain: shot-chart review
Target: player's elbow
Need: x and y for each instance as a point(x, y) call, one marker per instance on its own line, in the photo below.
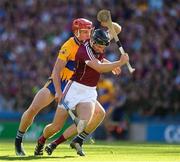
point(57, 68)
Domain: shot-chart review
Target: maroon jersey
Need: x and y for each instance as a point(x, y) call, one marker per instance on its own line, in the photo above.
point(83, 73)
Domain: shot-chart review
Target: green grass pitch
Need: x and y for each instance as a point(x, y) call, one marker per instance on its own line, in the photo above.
point(98, 152)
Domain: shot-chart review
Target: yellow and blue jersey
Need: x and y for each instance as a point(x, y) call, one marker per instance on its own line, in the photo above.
point(106, 93)
point(66, 53)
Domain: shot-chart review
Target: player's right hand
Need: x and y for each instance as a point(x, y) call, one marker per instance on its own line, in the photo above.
point(124, 59)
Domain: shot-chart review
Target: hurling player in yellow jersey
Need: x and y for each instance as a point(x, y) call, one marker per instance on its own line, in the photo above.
point(81, 29)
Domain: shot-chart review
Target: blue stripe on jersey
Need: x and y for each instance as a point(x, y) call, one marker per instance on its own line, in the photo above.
point(70, 65)
point(52, 88)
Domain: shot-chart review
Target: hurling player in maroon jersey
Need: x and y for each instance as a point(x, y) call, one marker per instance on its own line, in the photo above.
point(80, 93)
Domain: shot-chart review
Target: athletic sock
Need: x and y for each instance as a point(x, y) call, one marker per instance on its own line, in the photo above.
point(81, 137)
point(42, 140)
point(19, 136)
point(61, 139)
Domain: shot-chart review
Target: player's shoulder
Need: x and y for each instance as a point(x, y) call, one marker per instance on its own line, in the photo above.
point(89, 50)
point(69, 42)
point(70, 46)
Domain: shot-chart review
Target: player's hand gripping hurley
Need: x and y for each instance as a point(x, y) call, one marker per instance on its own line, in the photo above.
point(105, 17)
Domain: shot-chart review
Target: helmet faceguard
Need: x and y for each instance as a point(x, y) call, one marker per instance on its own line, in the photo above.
point(100, 37)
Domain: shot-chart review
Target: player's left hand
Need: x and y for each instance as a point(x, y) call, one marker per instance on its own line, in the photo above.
point(116, 71)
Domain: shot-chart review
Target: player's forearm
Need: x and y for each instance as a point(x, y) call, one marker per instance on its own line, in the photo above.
point(107, 67)
point(59, 65)
point(56, 80)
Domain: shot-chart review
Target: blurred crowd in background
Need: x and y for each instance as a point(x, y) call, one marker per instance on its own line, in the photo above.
point(32, 31)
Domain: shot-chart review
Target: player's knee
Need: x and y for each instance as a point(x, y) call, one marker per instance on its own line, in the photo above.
point(32, 110)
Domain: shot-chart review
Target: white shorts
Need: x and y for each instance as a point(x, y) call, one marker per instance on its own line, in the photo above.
point(74, 93)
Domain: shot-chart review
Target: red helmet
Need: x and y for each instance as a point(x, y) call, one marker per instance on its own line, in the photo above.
point(81, 23)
